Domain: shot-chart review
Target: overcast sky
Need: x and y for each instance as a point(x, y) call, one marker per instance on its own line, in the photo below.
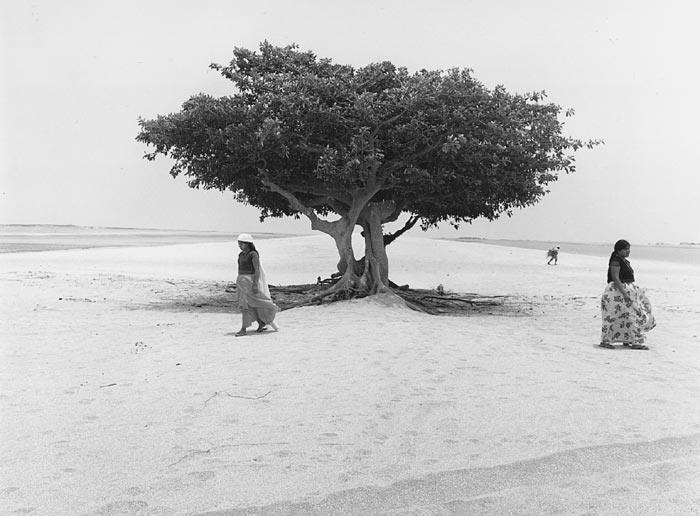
point(76, 75)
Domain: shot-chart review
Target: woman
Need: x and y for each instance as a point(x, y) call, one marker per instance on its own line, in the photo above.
point(625, 309)
point(253, 293)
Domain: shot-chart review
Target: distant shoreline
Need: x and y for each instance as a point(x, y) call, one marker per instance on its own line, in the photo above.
point(65, 228)
point(687, 254)
point(31, 238)
point(505, 241)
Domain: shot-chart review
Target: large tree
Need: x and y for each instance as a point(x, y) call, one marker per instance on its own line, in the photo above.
point(348, 147)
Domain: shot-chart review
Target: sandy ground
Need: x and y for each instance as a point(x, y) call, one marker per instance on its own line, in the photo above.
point(124, 392)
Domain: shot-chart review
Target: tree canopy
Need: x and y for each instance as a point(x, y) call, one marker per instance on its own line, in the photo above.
point(302, 136)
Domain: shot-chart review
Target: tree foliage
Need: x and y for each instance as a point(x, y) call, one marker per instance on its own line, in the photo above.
point(301, 135)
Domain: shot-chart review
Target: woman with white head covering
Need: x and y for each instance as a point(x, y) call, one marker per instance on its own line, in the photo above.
point(253, 293)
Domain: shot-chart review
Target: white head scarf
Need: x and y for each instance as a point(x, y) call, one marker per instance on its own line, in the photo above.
point(245, 237)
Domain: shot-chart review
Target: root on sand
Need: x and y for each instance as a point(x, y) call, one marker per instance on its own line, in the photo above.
point(221, 297)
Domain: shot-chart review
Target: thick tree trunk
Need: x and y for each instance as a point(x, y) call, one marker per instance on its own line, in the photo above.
point(358, 279)
point(375, 277)
point(369, 275)
point(347, 264)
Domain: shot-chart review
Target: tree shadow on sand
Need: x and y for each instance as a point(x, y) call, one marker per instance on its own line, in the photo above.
point(220, 297)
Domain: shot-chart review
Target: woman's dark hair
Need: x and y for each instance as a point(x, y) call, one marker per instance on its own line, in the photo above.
point(619, 246)
point(251, 246)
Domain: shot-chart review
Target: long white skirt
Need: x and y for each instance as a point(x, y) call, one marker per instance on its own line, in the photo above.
point(255, 306)
point(625, 321)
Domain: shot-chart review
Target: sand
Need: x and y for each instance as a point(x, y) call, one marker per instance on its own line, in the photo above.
point(124, 391)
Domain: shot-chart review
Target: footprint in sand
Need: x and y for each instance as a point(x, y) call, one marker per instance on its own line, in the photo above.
point(202, 476)
point(122, 508)
point(657, 401)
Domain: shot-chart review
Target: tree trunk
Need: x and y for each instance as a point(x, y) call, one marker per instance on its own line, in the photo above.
point(347, 264)
point(356, 280)
point(369, 275)
point(375, 277)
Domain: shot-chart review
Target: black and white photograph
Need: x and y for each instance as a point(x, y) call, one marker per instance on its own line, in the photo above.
point(369, 258)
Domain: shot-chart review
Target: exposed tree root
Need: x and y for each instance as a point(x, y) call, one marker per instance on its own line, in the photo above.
point(434, 302)
point(221, 298)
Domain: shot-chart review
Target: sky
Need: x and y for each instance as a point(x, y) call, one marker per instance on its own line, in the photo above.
point(76, 75)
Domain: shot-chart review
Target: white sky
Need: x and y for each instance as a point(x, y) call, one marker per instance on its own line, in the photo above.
point(76, 75)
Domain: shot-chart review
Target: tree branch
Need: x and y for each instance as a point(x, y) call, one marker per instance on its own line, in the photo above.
point(390, 121)
point(360, 201)
point(388, 239)
point(316, 222)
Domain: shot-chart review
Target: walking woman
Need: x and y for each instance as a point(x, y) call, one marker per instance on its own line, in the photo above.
point(625, 308)
point(253, 293)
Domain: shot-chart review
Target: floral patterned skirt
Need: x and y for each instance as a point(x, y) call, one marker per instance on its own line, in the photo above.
point(625, 321)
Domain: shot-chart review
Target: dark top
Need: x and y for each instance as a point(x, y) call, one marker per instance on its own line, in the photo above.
point(245, 262)
point(626, 271)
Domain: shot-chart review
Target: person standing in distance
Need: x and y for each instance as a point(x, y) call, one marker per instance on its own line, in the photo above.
point(553, 254)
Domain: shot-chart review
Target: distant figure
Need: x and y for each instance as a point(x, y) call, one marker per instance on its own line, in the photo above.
point(553, 254)
point(253, 293)
point(625, 308)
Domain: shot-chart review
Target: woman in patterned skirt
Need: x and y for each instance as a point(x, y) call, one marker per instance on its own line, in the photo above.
point(625, 308)
point(253, 293)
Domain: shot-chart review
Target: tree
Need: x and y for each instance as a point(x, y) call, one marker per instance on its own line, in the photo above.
point(301, 135)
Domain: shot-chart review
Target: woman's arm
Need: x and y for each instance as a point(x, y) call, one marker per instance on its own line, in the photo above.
point(615, 273)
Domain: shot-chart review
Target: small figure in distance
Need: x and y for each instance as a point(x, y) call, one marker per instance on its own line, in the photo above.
point(553, 254)
point(253, 292)
point(624, 307)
